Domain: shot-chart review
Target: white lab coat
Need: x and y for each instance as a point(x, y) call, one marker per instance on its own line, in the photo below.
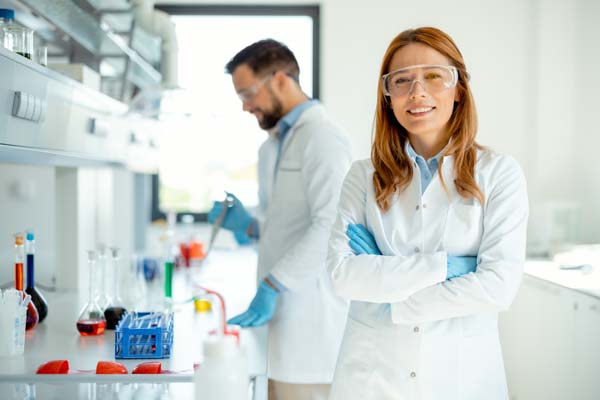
point(306, 330)
point(411, 334)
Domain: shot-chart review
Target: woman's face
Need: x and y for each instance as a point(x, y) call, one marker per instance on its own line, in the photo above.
point(424, 114)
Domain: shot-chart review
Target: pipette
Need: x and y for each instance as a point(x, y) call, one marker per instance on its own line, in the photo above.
point(227, 204)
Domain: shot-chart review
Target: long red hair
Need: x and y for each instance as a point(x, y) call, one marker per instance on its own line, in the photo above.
point(393, 169)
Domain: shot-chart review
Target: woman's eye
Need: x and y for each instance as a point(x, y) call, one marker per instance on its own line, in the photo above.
point(401, 81)
point(432, 76)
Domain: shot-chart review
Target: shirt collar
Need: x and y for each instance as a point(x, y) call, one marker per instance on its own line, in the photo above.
point(291, 117)
point(413, 154)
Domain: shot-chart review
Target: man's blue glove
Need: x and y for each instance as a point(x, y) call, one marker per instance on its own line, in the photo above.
point(458, 266)
point(361, 240)
point(261, 308)
point(237, 218)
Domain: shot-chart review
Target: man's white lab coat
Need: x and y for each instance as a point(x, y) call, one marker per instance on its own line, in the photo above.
point(301, 197)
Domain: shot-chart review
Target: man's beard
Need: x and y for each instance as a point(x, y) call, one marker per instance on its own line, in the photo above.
point(270, 119)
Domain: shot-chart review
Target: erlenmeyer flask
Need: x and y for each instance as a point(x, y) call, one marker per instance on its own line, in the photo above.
point(36, 296)
point(102, 297)
point(115, 309)
point(91, 320)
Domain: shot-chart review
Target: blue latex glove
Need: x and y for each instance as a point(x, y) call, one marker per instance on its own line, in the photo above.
point(237, 219)
point(361, 240)
point(261, 308)
point(458, 266)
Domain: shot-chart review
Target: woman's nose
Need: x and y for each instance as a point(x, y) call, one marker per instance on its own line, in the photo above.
point(417, 90)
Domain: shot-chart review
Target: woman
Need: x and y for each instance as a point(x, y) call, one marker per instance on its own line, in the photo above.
point(429, 241)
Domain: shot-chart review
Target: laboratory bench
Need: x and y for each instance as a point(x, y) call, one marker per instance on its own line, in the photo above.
point(229, 272)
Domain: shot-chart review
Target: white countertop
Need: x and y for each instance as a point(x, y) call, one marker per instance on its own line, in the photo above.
point(585, 280)
point(232, 273)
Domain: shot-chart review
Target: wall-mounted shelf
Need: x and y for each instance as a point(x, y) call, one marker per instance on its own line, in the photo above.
point(101, 31)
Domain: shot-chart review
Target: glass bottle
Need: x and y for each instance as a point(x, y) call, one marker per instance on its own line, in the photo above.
point(16, 38)
point(32, 313)
point(36, 296)
point(115, 309)
point(91, 320)
point(7, 17)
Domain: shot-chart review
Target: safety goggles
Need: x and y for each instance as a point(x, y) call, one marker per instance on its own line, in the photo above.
point(248, 94)
point(433, 78)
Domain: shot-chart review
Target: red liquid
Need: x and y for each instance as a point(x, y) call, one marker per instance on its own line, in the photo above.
point(91, 327)
point(32, 313)
point(32, 316)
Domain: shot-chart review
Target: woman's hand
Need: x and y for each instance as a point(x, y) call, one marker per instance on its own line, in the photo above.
point(361, 240)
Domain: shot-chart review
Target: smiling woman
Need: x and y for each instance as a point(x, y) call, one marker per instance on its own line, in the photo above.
point(429, 242)
point(198, 159)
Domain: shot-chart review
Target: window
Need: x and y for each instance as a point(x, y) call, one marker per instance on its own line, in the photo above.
point(216, 147)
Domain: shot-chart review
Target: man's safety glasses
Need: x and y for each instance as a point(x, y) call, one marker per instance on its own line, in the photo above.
point(248, 94)
point(433, 78)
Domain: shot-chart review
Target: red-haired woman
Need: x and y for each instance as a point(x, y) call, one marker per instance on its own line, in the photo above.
point(429, 242)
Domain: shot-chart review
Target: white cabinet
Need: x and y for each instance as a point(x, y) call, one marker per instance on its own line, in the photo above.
point(537, 338)
point(587, 348)
point(551, 343)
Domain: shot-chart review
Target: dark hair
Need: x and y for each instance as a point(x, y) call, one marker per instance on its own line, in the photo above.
point(266, 56)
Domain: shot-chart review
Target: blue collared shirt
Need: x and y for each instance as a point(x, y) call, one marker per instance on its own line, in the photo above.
point(289, 119)
point(427, 168)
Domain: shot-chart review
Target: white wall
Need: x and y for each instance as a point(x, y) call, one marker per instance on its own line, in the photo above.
point(71, 210)
point(27, 202)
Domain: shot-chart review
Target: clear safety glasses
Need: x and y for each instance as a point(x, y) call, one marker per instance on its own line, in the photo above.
point(248, 94)
point(433, 78)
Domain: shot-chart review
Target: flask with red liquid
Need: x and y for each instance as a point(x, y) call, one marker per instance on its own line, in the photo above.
point(32, 312)
point(91, 320)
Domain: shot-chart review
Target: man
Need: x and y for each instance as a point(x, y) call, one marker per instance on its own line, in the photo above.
point(301, 168)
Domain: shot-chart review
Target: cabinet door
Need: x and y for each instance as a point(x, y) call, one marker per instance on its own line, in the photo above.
point(587, 348)
point(537, 335)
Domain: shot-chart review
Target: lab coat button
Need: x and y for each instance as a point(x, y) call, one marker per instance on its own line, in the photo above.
point(417, 208)
point(424, 205)
point(413, 374)
point(417, 250)
point(416, 329)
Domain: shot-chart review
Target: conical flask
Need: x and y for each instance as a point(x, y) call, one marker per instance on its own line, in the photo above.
point(91, 320)
point(102, 297)
point(115, 309)
point(36, 296)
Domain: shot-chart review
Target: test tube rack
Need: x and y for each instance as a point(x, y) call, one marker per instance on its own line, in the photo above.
point(144, 335)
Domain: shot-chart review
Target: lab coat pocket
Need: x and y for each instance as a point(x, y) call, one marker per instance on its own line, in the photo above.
point(464, 227)
point(355, 364)
point(289, 186)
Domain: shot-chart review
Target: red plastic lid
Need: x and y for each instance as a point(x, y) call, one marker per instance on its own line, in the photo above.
point(54, 367)
point(110, 367)
point(151, 367)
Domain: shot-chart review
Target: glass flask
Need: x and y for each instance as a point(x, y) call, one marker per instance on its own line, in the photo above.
point(101, 293)
point(36, 296)
point(91, 320)
point(32, 313)
point(115, 309)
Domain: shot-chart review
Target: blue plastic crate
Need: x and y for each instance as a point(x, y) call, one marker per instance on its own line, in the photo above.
point(144, 335)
